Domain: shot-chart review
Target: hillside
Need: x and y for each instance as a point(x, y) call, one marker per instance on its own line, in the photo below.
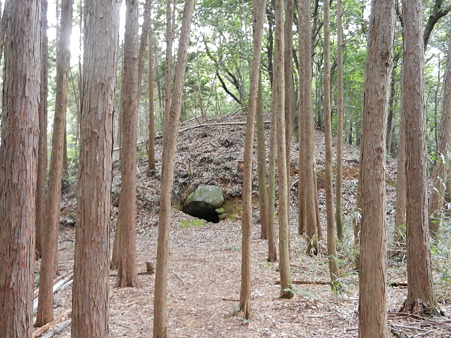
point(205, 258)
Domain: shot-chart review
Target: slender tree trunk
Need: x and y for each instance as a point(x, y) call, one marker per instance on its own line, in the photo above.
point(308, 220)
point(401, 194)
point(261, 165)
point(340, 108)
point(169, 145)
point(168, 61)
point(91, 269)
point(391, 113)
point(373, 251)
point(18, 170)
point(272, 250)
point(278, 98)
point(331, 241)
point(288, 78)
point(42, 148)
point(246, 222)
point(50, 232)
point(126, 223)
point(420, 295)
point(151, 103)
point(441, 170)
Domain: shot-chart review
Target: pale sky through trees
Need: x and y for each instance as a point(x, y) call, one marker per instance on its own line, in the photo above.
point(75, 48)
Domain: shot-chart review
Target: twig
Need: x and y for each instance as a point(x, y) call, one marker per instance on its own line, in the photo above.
point(54, 322)
point(425, 333)
point(183, 282)
point(303, 282)
point(397, 332)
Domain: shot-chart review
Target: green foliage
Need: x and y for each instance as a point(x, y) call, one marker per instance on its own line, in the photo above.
point(441, 262)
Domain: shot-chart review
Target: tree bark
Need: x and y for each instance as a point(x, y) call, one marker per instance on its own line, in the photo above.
point(42, 148)
point(308, 221)
point(331, 240)
point(420, 295)
point(151, 103)
point(246, 222)
point(49, 261)
point(373, 251)
point(401, 189)
point(18, 169)
point(288, 78)
point(261, 165)
point(278, 98)
point(168, 158)
point(91, 268)
point(272, 250)
point(126, 223)
point(340, 108)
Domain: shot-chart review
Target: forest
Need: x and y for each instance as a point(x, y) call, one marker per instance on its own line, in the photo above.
point(264, 168)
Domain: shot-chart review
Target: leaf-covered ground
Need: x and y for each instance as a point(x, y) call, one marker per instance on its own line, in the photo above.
point(205, 258)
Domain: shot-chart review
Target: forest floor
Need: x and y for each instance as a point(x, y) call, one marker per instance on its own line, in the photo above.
point(205, 258)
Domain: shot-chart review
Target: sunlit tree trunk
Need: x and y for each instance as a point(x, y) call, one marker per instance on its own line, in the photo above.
point(50, 231)
point(246, 222)
point(420, 295)
point(18, 169)
point(91, 268)
point(168, 158)
point(373, 251)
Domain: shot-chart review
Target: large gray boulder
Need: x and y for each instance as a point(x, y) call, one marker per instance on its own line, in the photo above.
point(204, 201)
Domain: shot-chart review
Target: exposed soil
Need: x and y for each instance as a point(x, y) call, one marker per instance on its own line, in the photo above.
point(205, 258)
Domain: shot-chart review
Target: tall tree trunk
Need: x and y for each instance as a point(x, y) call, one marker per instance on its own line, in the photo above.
point(272, 250)
point(278, 98)
point(441, 170)
point(331, 241)
point(50, 232)
point(401, 189)
point(288, 78)
point(151, 103)
point(308, 221)
point(420, 295)
point(261, 164)
point(169, 145)
point(168, 62)
point(91, 269)
point(340, 108)
point(246, 222)
point(42, 148)
point(373, 251)
point(18, 170)
point(126, 223)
